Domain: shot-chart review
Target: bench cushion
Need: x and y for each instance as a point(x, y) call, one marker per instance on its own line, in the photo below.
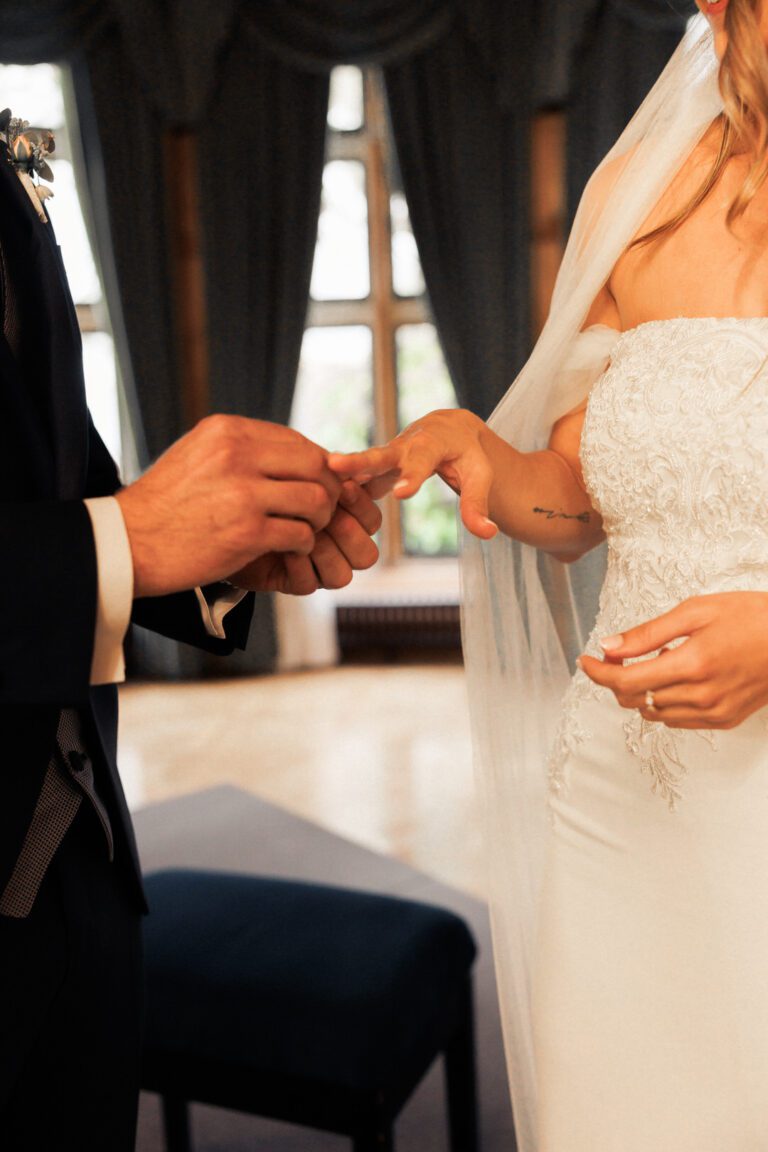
point(299, 980)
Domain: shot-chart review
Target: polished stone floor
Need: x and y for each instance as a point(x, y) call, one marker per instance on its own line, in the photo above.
point(380, 755)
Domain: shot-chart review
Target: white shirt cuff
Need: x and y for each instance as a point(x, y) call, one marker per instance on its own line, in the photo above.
point(114, 565)
point(213, 613)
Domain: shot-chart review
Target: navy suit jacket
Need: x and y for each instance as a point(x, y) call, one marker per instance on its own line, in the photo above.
point(51, 458)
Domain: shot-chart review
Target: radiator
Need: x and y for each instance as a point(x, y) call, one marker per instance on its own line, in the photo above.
point(395, 628)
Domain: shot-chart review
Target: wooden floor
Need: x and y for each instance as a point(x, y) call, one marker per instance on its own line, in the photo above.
point(380, 755)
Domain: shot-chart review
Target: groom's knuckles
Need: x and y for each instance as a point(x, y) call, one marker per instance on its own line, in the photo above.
point(353, 539)
point(249, 432)
point(227, 447)
point(302, 499)
point(332, 565)
point(302, 460)
point(279, 534)
point(301, 576)
point(360, 506)
point(310, 500)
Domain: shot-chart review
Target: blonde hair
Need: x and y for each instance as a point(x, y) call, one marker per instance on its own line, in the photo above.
point(743, 80)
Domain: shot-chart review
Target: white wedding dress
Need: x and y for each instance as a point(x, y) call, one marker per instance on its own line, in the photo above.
point(651, 980)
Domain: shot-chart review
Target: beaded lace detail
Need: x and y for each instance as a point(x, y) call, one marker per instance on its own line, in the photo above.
point(675, 457)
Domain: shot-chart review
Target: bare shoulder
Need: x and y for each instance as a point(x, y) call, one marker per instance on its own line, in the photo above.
point(598, 189)
point(681, 187)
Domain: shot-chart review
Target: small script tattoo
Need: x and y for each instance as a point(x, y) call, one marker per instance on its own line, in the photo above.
point(552, 515)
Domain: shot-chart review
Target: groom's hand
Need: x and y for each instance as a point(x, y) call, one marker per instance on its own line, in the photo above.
point(343, 547)
point(231, 491)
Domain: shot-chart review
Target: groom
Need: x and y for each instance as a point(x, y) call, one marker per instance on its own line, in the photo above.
point(234, 507)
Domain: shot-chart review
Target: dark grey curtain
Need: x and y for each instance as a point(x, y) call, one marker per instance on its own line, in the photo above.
point(628, 46)
point(35, 30)
point(262, 146)
point(461, 120)
point(263, 143)
point(459, 83)
point(314, 35)
point(121, 138)
point(599, 59)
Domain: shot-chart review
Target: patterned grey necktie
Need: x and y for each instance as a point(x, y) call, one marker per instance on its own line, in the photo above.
point(68, 778)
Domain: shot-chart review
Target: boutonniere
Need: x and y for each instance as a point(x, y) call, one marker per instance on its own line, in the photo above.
point(28, 149)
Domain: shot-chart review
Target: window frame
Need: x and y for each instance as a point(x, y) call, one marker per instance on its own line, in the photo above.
point(383, 311)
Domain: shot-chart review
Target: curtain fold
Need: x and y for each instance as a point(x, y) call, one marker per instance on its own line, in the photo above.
point(317, 34)
point(624, 49)
point(175, 48)
point(463, 155)
point(567, 27)
point(506, 37)
point(564, 27)
point(260, 183)
point(122, 145)
point(32, 31)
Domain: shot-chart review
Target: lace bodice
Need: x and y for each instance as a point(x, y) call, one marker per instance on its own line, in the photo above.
point(675, 456)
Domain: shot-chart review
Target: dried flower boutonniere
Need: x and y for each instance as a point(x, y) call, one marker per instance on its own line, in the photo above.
point(28, 149)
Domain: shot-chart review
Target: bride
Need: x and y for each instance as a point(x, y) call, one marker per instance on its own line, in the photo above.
point(618, 691)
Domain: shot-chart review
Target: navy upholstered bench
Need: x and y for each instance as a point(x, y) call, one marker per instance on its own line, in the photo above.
point(319, 1006)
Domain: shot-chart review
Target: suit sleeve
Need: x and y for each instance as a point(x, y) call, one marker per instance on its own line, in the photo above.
point(48, 592)
point(179, 617)
point(176, 616)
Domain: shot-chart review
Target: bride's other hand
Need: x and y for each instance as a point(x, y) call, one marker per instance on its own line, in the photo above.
point(445, 443)
point(716, 679)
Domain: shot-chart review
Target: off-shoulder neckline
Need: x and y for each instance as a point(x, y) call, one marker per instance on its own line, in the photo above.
point(689, 320)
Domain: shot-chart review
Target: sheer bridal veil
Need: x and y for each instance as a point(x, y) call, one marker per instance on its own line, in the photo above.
point(526, 616)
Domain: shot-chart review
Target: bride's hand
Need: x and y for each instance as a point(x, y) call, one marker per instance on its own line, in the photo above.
point(716, 679)
point(445, 443)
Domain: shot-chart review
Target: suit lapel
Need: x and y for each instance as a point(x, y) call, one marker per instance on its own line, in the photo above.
point(27, 465)
point(52, 370)
point(63, 378)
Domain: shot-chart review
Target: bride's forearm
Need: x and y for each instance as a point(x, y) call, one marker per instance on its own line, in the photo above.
point(536, 498)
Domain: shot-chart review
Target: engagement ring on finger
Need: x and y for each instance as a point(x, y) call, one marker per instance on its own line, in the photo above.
point(650, 701)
